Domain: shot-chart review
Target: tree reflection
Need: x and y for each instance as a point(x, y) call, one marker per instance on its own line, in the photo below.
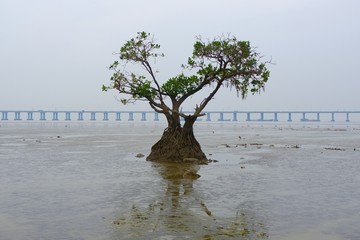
point(181, 213)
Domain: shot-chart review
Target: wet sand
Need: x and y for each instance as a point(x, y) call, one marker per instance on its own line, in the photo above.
point(84, 181)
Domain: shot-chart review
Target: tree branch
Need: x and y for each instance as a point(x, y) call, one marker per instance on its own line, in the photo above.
point(207, 100)
point(206, 81)
point(155, 108)
point(148, 68)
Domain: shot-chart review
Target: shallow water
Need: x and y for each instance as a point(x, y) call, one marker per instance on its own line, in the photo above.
point(78, 181)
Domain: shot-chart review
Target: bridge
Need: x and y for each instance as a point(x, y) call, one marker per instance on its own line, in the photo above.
point(210, 116)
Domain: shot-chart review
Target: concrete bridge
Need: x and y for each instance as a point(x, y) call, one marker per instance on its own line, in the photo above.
point(211, 116)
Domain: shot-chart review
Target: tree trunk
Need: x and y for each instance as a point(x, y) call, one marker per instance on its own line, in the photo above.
point(178, 144)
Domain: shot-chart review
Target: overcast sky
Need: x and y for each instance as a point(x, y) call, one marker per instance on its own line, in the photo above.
point(54, 53)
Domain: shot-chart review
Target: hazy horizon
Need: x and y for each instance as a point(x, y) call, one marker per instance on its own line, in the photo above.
point(54, 54)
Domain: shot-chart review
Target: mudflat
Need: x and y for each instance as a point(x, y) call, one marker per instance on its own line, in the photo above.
point(266, 181)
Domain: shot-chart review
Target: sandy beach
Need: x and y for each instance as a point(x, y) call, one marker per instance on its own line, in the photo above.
point(268, 181)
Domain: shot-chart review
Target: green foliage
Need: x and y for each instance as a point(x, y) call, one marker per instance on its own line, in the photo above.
point(142, 89)
point(180, 85)
point(140, 48)
point(223, 62)
point(233, 62)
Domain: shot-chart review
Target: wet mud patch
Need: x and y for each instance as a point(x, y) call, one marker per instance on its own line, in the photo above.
point(165, 222)
point(335, 148)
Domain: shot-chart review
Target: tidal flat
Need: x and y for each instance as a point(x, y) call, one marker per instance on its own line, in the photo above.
point(266, 181)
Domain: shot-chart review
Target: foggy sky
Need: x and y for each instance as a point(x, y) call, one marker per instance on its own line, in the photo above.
point(54, 54)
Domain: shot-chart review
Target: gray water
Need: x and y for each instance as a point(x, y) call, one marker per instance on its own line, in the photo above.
point(78, 181)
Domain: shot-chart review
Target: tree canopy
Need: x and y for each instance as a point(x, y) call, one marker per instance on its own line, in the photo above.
point(222, 62)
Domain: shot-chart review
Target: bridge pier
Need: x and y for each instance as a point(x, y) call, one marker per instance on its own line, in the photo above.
point(347, 117)
point(304, 117)
point(67, 116)
point(4, 116)
point(80, 116)
point(17, 116)
point(30, 116)
point(208, 119)
point(118, 116)
point(289, 119)
point(131, 116)
point(156, 116)
point(93, 116)
point(248, 118)
point(55, 116)
point(143, 116)
point(235, 116)
point(106, 116)
point(221, 119)
point(42, 116)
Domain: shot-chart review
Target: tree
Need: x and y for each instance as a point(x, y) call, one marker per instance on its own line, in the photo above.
point(222, 62)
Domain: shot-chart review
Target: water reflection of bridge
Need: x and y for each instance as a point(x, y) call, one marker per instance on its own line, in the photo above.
point(220, 116)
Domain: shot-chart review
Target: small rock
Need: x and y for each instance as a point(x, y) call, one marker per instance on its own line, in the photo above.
point(256, 144)
point(213, 161)
point(140, 155)
point(242, 167)
point(335, 148)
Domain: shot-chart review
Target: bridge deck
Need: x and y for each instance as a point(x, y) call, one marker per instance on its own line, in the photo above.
point(222, 116)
